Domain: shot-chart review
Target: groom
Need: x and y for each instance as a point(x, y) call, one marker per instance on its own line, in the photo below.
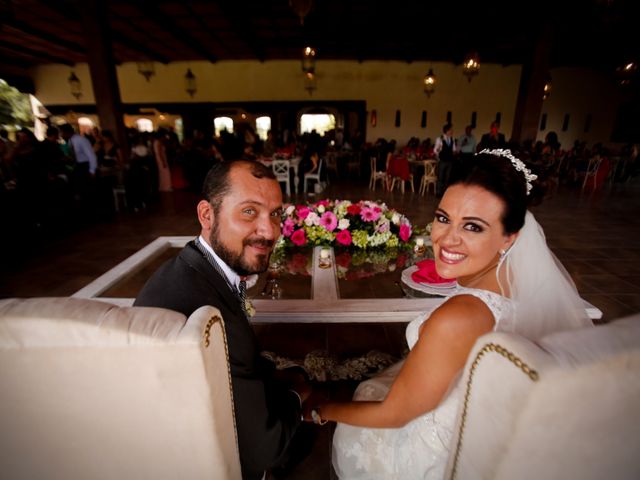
point(240, 219)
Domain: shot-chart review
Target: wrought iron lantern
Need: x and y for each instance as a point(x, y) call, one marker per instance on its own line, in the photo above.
point(75, 86)
point(429, 82)
point(190, 84)
point(146, 69)
point(309, 60)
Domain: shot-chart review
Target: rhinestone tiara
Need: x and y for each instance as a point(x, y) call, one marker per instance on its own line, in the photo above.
point(516, 162)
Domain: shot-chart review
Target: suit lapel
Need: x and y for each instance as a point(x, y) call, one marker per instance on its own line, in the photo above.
point(194, 258)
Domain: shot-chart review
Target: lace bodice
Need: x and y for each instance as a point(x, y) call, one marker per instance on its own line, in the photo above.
point(419, 449)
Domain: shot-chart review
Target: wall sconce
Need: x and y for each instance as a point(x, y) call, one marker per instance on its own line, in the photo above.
point(190, 83)
point(429, 82)
point(309, 60)
point(471, 65)
point(310, 83)
point(75, 86)
point(146, 69)
point(548, 86)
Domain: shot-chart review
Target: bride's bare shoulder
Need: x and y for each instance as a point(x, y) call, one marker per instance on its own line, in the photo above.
point(461, 313)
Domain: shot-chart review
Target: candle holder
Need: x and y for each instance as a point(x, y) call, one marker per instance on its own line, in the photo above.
point(325, 258)
point(419, 248)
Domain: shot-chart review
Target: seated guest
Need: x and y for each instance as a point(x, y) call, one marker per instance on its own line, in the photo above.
point(401, 422)
point(240, 219)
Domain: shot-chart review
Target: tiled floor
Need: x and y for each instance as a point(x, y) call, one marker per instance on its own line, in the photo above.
point(595, 235)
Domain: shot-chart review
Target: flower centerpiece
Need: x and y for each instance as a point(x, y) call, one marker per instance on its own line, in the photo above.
point(342, 223)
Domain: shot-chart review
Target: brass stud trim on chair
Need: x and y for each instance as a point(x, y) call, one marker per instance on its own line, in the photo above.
point(207, 333)
point(490, 347)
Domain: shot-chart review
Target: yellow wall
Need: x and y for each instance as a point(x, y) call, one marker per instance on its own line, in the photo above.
point(385, 86)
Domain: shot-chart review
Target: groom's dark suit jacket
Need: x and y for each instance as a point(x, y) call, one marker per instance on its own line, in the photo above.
point(267, 414)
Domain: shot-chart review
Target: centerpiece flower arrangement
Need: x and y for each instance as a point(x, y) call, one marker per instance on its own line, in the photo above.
point(342, 223)
point(368, 237)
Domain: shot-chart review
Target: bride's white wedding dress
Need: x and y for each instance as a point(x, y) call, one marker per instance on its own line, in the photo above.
point(419, 450)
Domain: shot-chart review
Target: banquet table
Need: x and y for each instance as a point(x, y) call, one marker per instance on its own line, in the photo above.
point(345, 292)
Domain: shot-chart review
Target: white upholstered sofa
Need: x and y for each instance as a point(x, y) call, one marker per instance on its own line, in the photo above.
point(94, 391)
point(89, 390)
point(565, 408)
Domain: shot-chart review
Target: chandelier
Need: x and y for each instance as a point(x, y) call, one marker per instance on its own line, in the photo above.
point(309, 60)
point(146, 69)
point(190, 84)
point(75, 86)
point(429, 82)
point(471, 65)
point(626, 73)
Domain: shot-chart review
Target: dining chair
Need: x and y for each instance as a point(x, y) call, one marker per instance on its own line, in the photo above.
point(281, 171)
point(400, 173)
point(313, 176)
point(592, 171)
point(429, 177)
point(377, 176)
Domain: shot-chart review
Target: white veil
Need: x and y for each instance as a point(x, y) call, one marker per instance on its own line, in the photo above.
point(544, 295)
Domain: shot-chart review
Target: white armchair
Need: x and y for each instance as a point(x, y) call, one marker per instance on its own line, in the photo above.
point(567, 407)
point(95, 391)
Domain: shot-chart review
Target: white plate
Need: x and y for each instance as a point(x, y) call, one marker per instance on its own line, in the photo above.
point(443, 289)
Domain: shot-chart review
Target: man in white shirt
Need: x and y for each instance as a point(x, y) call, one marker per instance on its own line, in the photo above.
point(80, 148)
point(445, 150)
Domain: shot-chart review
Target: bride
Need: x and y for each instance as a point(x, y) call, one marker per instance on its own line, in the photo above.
point(401, 422)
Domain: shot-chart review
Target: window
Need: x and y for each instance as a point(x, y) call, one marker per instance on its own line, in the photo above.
point(144, 125)
point(565, 123)
point(449, 117)
point(263, 125)
point(320, 122)
point(423, 120)
point(587, 124)
point(397, 122)
point(499, 117)
point(222, 123)
point(474, 119)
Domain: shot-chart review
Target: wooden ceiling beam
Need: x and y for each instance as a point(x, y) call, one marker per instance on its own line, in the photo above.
point(21, 49)
point(40, 35)
point(237, 19)
point(168, 24)
point(205, 28)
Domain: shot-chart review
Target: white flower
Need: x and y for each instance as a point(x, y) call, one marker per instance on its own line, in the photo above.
point(290, 210)
point(321, 208)
point(249, 308)
point(343, 224)
point(395, 218)
point(312, 219)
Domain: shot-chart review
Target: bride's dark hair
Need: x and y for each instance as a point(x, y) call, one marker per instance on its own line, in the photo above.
point(499, 176)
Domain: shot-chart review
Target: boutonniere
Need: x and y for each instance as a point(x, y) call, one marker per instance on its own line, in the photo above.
point(249, 308)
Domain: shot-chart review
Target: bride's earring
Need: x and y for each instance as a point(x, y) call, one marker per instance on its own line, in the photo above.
point(502, 253)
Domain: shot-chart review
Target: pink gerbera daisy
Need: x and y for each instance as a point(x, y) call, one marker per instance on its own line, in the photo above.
point(329, 221)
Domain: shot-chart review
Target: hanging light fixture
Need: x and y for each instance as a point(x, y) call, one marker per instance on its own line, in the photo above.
point(190, 83)
point(548, 86)
point(429, 82)
point(146, 69)
point(310, 83)
point(75, 86)
point(301, 8)
point(309, 60)
point(471, 65)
